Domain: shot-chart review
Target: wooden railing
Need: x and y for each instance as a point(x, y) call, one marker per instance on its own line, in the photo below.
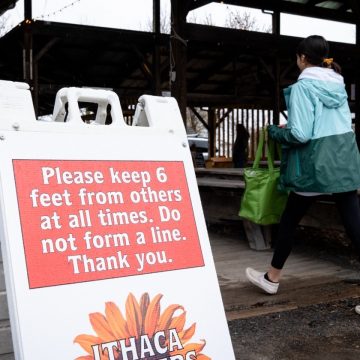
point(221, 190)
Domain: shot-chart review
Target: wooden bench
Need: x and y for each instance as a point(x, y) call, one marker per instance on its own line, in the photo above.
point(221, 191)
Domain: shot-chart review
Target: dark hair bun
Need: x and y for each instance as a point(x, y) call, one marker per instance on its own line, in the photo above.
point(315, 48)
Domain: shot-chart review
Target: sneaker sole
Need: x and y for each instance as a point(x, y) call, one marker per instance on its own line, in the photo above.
point(254, 282)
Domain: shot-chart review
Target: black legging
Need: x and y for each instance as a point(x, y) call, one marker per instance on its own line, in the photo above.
point(297, 206)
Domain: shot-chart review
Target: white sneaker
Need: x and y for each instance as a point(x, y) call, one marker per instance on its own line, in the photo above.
point(257, 278)
point(357, 309)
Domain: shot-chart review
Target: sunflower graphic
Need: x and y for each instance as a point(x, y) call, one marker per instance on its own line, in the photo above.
point(144, 329)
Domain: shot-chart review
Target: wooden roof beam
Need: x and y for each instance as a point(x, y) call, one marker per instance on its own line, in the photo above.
point(205, 75)
point(199, 117)
point(292, 8)
point(251, 42)
point(195, 4)
point(7, 5)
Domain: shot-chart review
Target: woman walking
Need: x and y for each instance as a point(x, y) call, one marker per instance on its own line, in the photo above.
point(319, 153)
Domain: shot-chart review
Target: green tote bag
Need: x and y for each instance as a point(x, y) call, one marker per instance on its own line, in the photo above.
point(262, 203)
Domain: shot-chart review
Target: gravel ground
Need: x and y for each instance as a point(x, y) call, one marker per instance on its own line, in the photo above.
point(319, 332)
point(328, 331)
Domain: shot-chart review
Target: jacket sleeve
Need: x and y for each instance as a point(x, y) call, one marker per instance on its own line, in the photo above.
point(283, 136)
point(301, 113)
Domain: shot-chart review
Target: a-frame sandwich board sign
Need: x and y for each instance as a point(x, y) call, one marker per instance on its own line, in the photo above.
point(105, 247)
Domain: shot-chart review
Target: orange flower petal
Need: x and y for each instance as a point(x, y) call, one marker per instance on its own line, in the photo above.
point(101, 327)
point(152, 315)
point(89, 357)
point(116, 321)
point(201, 357)
point(166, 317)
point(178, 322)
point(86, 341)
point(196, 346)
point(190, 347)
point(144, 304)
point(133, 316)
point(142, 317)
point(187, 334)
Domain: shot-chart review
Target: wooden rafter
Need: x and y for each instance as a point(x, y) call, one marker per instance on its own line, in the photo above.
point(197, 4)
point(200, 118)
point(7, 5)
point(290, 8)
point(215, 66)
point(205, 74)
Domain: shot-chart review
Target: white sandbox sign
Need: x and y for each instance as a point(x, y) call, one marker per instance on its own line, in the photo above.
point(105, 247)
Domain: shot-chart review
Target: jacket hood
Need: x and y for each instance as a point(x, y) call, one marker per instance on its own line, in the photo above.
point(327, 85)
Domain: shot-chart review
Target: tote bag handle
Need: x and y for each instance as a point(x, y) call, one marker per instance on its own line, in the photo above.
point(270, 151)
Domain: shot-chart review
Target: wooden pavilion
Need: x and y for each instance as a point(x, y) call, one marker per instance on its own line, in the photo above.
point(232, 75)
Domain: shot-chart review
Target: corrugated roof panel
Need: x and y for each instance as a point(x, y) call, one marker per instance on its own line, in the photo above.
point(334, 5)
point(298, 1)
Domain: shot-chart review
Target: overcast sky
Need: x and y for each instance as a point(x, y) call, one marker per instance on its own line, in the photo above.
point(137, 15)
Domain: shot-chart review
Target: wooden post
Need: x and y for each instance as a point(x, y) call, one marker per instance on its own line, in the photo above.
point(259, 237)
point(156, 53)
point(35, 89)
point(179, 55)
point(212, 129)
point(277, 95)
point(28, 9)
point(357, 90)
point(276, 22)
point(28, 43)
point(28, 64)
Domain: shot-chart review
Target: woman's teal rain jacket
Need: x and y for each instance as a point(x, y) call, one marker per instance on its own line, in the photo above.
point(319, 152)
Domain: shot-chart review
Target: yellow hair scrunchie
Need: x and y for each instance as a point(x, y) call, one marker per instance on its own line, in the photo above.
point(328, 61)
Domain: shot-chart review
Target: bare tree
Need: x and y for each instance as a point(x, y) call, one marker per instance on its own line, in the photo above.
point(244, 21)
point(241, 21)
point(4, 24)
point(194, 123)
point(165, 22)
point(206, 20)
